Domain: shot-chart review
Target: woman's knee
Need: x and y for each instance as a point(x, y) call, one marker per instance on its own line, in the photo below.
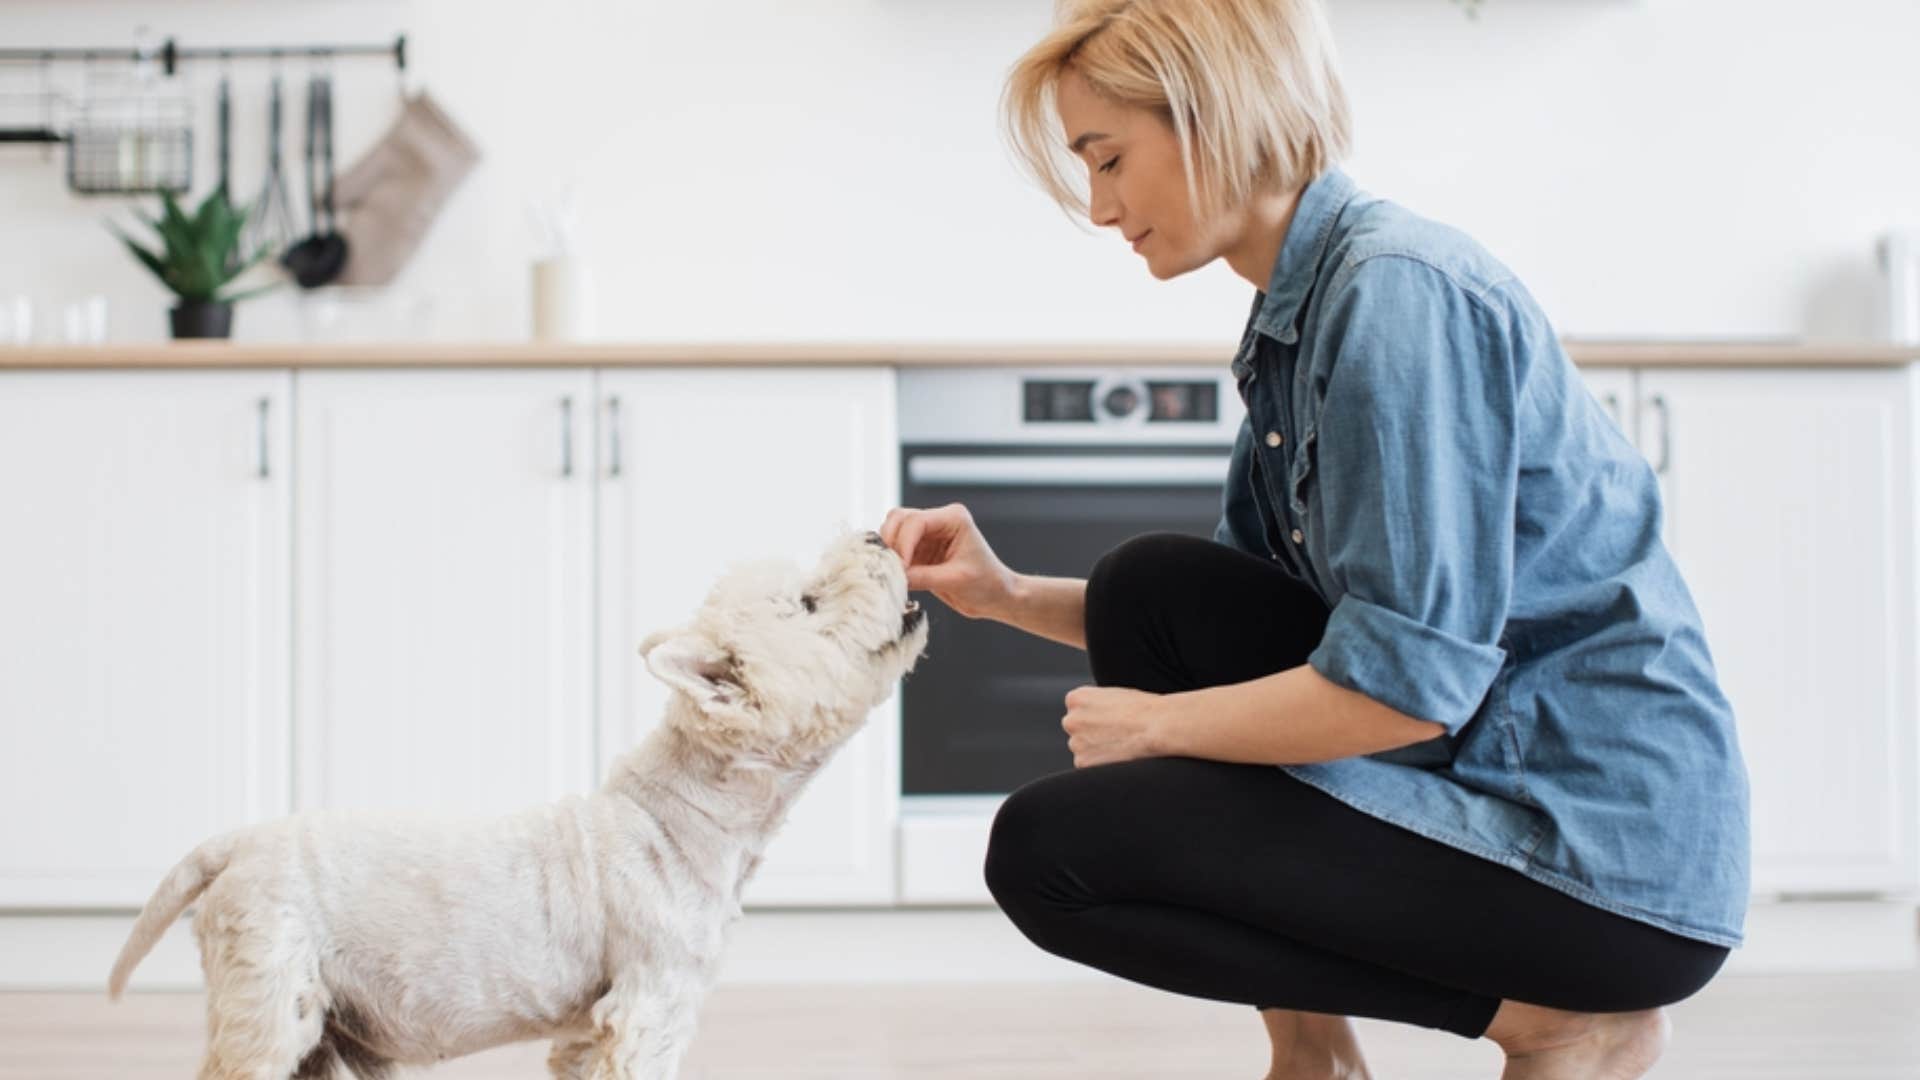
point(1032, 845)
point(1124, 582)
point(1135, 563)
point(1015, 855)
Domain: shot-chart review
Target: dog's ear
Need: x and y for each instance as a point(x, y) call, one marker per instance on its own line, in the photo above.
point(653, 640)
point(689, 662)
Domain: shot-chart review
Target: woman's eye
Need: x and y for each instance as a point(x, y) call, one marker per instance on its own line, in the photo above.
point(1110, 163)
point(807, 602)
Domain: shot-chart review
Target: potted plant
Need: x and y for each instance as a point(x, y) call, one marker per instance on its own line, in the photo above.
point(200, 256)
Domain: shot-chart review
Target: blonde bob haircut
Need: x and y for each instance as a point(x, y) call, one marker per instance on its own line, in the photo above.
point(1250, 88)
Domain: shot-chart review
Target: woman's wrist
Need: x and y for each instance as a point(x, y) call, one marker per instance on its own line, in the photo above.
point(1163, 724)
point(1048, 607)
point(1018, 597)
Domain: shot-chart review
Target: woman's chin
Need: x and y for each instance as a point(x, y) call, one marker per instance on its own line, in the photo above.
point(1165, 269)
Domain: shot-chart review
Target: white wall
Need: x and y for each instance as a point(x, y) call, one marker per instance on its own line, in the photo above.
point(832, 170)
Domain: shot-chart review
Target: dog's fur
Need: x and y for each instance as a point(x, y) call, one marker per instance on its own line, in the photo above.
point(368, 940)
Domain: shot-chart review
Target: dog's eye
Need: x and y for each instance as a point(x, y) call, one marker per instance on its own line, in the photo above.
point(806, 601)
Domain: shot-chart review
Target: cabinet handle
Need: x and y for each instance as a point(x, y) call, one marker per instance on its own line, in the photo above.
point(1659, 402)
point(566, 435)
point(613, 421)
point(263, 438)
point(1613, 406)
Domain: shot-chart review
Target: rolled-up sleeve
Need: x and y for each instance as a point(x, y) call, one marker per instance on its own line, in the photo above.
point(1417, 470)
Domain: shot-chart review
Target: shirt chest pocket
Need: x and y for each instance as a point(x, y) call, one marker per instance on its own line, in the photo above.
point(1300, 472)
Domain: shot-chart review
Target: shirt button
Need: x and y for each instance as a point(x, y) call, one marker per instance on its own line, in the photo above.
point(1298, 536)
point(1273, 438)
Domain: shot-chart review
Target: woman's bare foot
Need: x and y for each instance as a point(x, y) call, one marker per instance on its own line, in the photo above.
point(1551, 1044)
point(1313, 1046)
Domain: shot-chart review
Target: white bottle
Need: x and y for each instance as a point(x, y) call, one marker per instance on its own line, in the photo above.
point(1899, 253)
point(562, 299)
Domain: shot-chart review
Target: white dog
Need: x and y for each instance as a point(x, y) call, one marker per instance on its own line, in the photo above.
point(598, 921)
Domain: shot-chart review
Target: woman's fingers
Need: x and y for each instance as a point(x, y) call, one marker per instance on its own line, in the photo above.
point(902, 531)
point(890, 524)
point(904, 528)
point(910, 532)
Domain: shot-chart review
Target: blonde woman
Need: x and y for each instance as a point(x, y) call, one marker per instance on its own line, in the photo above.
point(1509, 802)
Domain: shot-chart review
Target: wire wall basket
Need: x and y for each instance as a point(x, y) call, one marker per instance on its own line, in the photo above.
point(138, 143)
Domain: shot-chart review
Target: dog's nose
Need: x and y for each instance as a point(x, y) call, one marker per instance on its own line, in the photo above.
point(874, 539)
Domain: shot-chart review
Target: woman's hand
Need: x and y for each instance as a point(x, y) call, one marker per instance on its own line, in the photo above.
point(945, 554)
point(1106, 724)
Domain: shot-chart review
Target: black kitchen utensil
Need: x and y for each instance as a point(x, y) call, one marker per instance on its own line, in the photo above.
point(224, 111)
point(223, 126)
point(270, 224)
point(319, 258)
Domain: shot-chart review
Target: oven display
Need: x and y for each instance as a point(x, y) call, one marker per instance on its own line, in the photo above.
point(1049, 401)
point(1184, 402)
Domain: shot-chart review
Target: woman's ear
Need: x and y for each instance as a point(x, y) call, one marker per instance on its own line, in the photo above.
point(689, 662)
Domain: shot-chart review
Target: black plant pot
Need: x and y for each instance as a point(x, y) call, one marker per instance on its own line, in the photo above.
point(202, 319)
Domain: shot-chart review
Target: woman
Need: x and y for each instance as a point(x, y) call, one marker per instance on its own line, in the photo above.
point(1509, 802)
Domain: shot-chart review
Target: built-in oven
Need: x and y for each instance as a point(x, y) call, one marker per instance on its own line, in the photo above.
point(1056, 466)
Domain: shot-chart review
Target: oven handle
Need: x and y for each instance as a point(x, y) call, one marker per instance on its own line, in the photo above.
point(1132, 470)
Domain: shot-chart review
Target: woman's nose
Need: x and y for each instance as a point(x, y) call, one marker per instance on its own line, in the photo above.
point(1102, 208)
point(1103, 212)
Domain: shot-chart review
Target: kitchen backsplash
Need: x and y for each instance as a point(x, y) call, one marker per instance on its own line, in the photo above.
point(837, 173)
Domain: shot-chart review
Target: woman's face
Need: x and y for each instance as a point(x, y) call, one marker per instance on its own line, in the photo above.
point(1136, 182)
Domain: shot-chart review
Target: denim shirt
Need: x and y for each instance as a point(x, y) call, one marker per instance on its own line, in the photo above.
point(1421, 453)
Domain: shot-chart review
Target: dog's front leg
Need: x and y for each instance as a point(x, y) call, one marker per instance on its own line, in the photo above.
point(643, 1034)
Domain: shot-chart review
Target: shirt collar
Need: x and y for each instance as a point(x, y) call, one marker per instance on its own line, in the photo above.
point(1300, 253)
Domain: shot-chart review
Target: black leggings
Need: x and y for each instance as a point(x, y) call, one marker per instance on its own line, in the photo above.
point(1239, 883)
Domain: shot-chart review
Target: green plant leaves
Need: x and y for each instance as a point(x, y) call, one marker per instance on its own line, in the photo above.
point(199, 253)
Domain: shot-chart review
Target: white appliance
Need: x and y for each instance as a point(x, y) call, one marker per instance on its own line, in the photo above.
point(1899, 257)
point(1057, 466)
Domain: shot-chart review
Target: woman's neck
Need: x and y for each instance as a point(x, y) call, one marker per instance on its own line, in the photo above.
point(1263, 232)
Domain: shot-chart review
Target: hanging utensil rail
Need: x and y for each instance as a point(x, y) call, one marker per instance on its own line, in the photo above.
point(171, 54)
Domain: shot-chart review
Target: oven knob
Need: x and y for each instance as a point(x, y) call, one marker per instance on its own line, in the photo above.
point(1120, 400)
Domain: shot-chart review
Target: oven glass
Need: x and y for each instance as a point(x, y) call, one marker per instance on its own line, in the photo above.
point(981, 710)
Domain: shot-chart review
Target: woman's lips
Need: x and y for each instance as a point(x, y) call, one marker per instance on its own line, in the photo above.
point(1142, 240)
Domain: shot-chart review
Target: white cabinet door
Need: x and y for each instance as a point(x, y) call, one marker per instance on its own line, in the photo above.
point(143, 624)
point(1789, 509)
point(444, 564)
point(702, 468)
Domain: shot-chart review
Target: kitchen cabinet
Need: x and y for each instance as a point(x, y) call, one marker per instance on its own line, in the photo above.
point(144, 589)
point(235, 595)
point(703, 468)
point(444, 589)
point(1788, 506)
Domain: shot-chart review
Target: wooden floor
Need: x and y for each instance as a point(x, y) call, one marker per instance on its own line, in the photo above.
point(1855, 1027)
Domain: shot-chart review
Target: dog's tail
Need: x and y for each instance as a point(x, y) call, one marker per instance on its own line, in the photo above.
point(186, 881)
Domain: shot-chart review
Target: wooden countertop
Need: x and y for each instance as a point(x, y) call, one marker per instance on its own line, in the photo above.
point(223, 354)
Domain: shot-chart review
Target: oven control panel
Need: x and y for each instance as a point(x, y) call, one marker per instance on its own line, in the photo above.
point(1153, 401)
point(1174, 405)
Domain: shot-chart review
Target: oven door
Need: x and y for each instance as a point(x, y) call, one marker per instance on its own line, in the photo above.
point(980, 714)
